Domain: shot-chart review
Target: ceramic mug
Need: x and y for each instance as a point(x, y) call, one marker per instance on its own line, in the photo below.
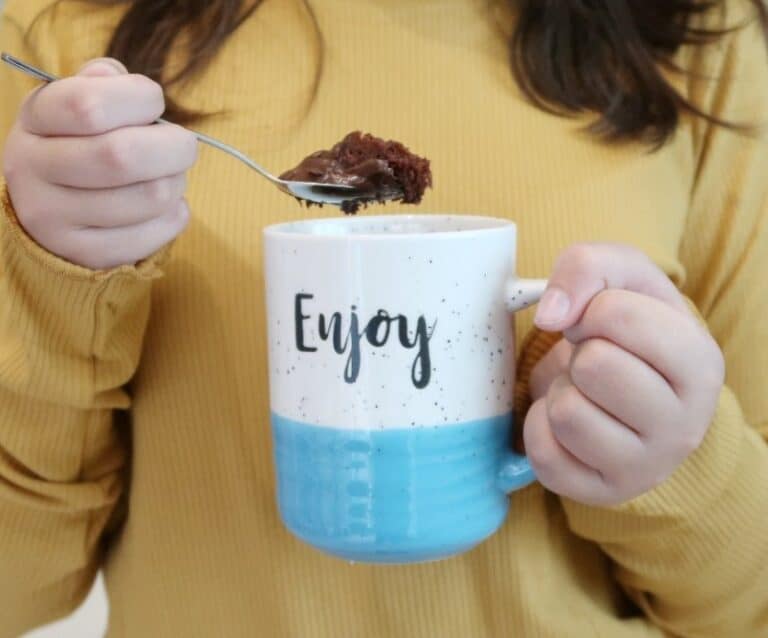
point(391, 361)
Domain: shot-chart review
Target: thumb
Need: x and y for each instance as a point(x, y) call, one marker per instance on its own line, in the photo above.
point(102, 67)
point(584, 270)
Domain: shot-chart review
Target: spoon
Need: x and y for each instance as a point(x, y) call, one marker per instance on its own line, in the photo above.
point(315, 192)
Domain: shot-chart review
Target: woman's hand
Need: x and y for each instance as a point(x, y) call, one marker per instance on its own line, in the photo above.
point(631, 390)
point(91, 179)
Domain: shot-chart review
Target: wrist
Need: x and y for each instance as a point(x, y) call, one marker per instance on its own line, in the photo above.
point(699, 484)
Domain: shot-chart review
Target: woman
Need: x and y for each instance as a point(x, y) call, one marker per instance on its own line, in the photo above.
point(134, 436)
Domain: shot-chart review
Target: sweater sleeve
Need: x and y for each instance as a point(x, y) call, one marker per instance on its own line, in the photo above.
point(693, 553)
point(70, 339)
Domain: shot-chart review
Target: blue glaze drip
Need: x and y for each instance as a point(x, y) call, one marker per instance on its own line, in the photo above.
point(392, 496)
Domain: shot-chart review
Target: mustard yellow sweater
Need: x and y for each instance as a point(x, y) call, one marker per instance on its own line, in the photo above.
point(134, 429)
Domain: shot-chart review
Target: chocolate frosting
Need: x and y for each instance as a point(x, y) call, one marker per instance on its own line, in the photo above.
point(367, 175)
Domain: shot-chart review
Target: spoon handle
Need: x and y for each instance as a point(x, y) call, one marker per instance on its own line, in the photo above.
point(205, 139)
point(231, 150)
point(27, 68)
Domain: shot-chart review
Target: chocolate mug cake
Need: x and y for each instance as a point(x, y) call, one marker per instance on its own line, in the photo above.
point(380, 170)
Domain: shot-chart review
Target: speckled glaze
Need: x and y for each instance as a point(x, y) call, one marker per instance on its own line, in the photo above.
point(394, 331)
point(393, 495)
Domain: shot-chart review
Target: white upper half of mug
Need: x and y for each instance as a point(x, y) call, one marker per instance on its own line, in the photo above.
point(418, 306)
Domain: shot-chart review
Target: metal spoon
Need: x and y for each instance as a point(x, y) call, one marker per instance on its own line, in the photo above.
point(315, 192)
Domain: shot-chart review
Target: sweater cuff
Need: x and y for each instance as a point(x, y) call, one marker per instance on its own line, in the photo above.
point(17, 242)
point(703, 482)
point(69, 334)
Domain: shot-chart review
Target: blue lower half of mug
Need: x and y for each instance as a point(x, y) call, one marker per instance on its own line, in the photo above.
point(398, 495)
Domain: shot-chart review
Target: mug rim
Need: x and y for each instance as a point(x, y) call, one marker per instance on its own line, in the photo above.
point(302, 229)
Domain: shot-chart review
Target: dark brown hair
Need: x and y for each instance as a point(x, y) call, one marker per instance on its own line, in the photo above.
point(147, 32)
point(596, 56)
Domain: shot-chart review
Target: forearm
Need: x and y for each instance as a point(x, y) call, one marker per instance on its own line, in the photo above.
point(70, 339)
point(60, 478)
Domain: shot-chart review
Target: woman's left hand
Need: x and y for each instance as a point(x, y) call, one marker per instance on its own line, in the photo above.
point(629, 393)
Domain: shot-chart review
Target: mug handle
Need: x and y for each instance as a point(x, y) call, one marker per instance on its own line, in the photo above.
point(516, 471)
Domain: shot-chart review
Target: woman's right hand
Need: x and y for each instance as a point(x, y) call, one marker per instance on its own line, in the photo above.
point(92, 180)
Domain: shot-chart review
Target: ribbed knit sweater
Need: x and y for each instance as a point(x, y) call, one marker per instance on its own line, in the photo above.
point(134, 432)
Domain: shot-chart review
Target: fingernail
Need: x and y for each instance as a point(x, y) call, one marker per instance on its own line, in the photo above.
point(553, 307)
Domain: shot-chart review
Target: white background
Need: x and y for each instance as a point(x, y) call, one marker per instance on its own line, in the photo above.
point(90, 620)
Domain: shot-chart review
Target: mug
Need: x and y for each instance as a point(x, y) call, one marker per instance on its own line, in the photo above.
point(391, 364)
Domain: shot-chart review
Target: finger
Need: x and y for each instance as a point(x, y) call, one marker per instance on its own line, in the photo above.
point(104, 248)
point(619, 383)
point(109, 207)
point(584, 270)
point(591, 435)
point(648, 328)
point(102, 98)
point(118, 158)
point(550, 366)
point(101, 66)
point(556, 468)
